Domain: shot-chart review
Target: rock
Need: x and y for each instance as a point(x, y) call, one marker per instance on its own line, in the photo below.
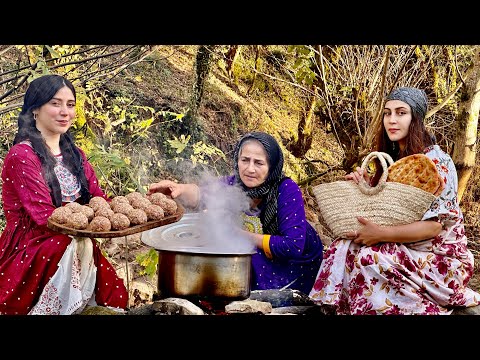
point(298, 310)
point(249, 307)
point(280, 298)
point(101, 310)
point(176, 306)
point(146, 309)
point(474, 310)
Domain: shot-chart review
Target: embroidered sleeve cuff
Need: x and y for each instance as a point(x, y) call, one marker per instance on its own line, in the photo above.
point(266, 246)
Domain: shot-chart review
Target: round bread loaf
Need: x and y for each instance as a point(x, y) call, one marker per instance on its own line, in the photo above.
point(417, 170)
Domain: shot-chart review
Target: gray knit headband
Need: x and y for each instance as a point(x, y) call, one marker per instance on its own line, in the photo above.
point(416, 98)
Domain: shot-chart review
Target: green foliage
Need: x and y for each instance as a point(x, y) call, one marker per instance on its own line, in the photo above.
point(303, 64)
point(243, 71)
point(80, 117)
point(117, 136)
point(128, 142)
point(276, 57)
point(170, 123)
point(204, 153)
point(118, 118)
point(179, 144)
point(114, 170)
point(198, 153)
point(171, 116)
point(134, 120)
point(8, 129)
point(149, 261)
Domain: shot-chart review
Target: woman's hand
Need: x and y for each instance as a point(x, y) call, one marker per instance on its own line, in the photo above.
point(254, 238)
point(369, 234)
point(166, 187)
point(357, 174)
point(187, 194)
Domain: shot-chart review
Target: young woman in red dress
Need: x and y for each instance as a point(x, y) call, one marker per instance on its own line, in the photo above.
point(43, 271)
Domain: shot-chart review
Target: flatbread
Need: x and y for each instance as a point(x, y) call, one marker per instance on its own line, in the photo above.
point(417, 170)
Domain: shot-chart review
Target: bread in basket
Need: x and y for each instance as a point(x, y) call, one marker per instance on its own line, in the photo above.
point(417, 170)
point(387, 203)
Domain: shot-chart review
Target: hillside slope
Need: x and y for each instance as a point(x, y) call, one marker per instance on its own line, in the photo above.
point(227, 112)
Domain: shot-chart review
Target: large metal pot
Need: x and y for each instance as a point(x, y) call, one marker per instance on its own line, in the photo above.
point(183, 274)
point(189, 265)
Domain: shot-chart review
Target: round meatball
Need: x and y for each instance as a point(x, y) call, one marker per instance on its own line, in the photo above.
point(154, 212)
point(119, 221)
point(61, 215)
point(137, 216)
point(134, 195)
point(104, 211)
point(169, 206)
point(74, 206)
point(140, 203)
point(77, 220)
point(122, 208)
point(157, 198)
point(97, 201)
point(88, 211)
point(100, 223)
point(118, 200)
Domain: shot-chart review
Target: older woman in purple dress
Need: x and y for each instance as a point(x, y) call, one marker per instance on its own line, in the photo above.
point(288, 249)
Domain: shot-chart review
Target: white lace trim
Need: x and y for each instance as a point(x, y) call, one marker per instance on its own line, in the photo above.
point(72, 286)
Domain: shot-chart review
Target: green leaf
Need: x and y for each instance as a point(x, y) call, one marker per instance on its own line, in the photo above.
point(148, 261)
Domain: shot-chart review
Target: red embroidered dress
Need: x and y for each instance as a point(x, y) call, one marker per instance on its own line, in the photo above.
point(43, 271)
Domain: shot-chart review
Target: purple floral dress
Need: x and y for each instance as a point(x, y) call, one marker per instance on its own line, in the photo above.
point(425, 277)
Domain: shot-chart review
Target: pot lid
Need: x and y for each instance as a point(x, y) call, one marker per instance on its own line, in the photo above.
point(190, 234)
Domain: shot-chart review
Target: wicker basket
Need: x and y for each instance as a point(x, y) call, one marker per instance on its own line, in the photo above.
point(388, 203)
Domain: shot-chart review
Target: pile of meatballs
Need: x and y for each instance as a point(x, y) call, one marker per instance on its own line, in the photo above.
point(120, 213)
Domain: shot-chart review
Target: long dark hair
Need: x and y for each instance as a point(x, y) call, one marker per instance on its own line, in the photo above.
point(40, 91)
point(416, 141)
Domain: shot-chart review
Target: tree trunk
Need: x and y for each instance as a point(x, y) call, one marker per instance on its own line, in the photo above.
point(257, 54)
point(467, 125)
point(231, 57)
point(202, 69)
point(303, 143)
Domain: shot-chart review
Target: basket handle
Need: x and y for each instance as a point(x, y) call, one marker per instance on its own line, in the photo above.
point(383, 157)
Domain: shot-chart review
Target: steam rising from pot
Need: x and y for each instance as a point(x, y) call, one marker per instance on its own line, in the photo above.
point(220, 223)
point(214, 230)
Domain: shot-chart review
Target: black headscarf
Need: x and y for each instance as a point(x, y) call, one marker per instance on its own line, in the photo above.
point(268, 191)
